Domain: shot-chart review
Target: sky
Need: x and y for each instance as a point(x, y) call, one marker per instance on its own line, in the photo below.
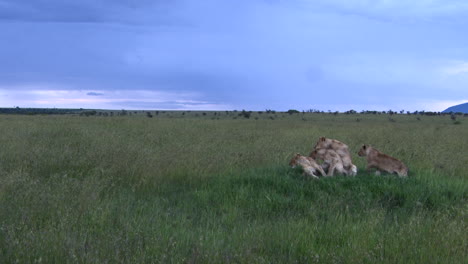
point(333, 55)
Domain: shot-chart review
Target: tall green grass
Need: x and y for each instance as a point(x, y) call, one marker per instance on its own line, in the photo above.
point(198, 190)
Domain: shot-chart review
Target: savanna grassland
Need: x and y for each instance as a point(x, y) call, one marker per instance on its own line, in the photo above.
point(194, 187)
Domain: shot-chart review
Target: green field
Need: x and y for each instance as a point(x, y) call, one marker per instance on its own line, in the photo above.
point(215, 187)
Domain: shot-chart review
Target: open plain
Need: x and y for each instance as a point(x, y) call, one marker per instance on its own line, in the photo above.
point(215, 187)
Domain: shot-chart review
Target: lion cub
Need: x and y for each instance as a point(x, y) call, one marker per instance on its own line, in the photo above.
point(309, 165)
point(341, 149)
point(380, 161)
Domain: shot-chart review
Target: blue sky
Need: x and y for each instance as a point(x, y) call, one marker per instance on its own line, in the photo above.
point(234, 54)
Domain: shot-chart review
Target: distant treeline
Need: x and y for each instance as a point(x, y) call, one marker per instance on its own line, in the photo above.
point(402, 112)
point(246, 114)
point(39, 111)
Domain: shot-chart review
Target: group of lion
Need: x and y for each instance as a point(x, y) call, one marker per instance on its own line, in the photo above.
point(330, 156)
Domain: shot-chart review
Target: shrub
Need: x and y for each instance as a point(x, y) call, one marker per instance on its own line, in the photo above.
point(245, 114)
point(88, 113)
point(292, 111)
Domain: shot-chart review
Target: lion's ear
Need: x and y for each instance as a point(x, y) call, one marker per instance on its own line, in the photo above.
point(364, 146)
point(322, 139)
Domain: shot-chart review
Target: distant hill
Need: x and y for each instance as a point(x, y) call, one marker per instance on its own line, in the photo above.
point(463, 108)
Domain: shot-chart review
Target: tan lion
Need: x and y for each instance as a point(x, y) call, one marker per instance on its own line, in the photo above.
point(331, 161)
point(382, 162)
point(341, 149)
point(310, 167)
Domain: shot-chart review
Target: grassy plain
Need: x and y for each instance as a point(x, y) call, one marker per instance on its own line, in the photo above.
point(194, 187)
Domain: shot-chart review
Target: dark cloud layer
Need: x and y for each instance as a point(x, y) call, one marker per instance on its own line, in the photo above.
point(252, 54)
point(87, 11)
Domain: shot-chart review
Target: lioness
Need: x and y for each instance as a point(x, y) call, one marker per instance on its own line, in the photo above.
point(380, 161)
point(331, 161)
point(341, 149)
point(309, 165)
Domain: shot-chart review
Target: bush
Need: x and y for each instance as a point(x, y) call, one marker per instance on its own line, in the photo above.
point(88, 113)
point(292, 111)
point(245, 114)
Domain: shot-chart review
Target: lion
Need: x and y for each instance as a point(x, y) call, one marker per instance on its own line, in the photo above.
point(341, 149)
point(382, 162)
point(331, 161)
point(309, 165)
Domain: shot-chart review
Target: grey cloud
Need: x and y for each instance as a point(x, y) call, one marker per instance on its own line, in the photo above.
point(94, 94)
point(141, 12)
point(59, 11)
point(83, 11)
point(175, 11)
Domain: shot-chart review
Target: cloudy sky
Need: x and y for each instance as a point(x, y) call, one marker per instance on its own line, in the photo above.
point(234, 54)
